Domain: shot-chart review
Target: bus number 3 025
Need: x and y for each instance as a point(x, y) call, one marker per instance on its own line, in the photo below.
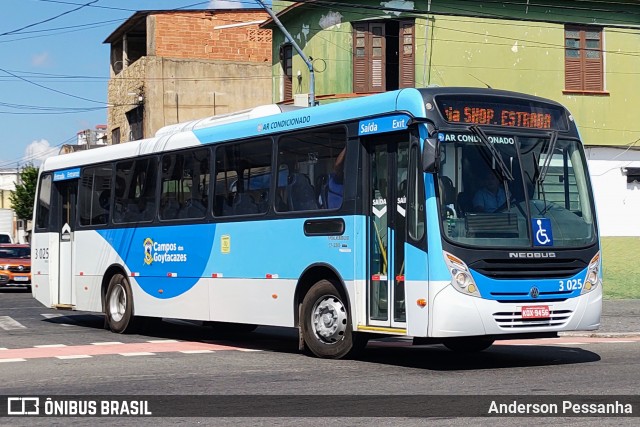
point(41, 253)
point(571, 284)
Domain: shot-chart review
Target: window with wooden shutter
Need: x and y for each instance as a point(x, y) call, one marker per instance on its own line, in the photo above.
point(583, 69)
point(407, 62)
point(360, 58)
point(286, 59)
point(369, 57)
point(383, 55)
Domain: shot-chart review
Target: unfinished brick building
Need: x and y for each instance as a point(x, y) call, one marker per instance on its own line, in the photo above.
point(173, 66)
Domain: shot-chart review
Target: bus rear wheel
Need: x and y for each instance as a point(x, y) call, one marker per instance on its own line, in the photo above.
point(326, 325)
point(468, 345)
point(119, 304)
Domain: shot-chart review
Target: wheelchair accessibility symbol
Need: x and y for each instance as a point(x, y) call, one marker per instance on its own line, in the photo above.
point(542, 232)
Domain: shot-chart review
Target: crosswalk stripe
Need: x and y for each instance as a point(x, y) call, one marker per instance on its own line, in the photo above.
point(74, 356)
point(139, 353)
point(7, 323)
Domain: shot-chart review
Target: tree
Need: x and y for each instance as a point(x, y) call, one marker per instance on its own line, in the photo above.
point(25, 193)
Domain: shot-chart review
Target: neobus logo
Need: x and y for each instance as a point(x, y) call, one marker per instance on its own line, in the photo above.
point(532, 254)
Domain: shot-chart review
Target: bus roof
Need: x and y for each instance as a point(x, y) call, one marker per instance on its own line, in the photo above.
point(266, 120)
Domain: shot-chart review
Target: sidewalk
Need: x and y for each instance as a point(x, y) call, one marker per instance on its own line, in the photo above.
point(620, 318)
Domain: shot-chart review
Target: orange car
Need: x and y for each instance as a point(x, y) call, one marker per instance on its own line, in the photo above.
point(15, 265)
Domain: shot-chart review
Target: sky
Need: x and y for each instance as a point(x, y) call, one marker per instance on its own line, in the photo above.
point(54, 69)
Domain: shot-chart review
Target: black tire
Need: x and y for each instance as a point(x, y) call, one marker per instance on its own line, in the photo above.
point(468, 345)
point(332, 338)
point(118, 305)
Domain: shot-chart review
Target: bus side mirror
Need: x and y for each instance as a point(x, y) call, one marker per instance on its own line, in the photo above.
point(430, 152)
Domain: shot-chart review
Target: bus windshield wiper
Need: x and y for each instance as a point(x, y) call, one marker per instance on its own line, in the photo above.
point(547, 161)
point(477, 131)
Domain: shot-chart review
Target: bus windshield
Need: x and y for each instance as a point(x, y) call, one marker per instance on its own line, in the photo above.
point(516, 191)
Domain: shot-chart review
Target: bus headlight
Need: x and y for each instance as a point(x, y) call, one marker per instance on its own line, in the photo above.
point(592, 278)
point(461, 278)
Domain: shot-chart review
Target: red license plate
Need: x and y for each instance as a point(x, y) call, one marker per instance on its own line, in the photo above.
point(536, 312)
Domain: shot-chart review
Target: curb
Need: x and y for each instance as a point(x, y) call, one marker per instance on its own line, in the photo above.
point(600, 334)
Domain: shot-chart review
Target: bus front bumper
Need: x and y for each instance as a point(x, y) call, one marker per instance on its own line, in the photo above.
point(454, 314)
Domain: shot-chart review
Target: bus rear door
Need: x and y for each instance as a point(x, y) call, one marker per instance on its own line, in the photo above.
point(64, 212)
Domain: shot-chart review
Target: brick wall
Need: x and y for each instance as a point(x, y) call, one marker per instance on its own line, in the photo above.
point(193, 35)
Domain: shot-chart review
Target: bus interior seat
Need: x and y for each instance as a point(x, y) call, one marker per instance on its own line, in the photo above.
point(139, 210)
point(300, 192)
point(241, 204)
point(261, 198)
point(170, 209)
point(193, 208)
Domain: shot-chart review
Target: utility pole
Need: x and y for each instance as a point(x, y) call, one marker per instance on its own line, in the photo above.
point(312, 78)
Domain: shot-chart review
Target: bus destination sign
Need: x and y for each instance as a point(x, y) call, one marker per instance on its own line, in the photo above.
point(483, 111)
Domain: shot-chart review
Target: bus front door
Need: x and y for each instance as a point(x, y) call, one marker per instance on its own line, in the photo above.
point(388, 177)
point(64, 208)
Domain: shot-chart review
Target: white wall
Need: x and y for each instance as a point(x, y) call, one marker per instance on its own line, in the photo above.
point(617, 202)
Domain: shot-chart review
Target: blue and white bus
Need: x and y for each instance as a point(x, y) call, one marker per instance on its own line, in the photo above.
point(349, 220)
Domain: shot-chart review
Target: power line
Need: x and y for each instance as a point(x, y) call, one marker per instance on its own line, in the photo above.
point(31, 158)
point(48, 19)
point(51, 89)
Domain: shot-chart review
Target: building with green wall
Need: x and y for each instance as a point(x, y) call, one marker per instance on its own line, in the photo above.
point(583, 54)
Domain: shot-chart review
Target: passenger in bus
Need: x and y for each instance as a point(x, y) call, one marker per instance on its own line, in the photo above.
point(491, 196)
point(336, 182)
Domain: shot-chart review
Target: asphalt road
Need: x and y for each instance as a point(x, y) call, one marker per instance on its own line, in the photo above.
point(53, 353)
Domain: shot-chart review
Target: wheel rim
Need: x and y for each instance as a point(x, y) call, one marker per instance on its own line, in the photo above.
point(117, 302)
point(329, 319)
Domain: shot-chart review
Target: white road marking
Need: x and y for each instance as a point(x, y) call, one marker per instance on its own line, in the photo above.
point(162, 341)
point(196, 351)
point(140, 353)
point(49, 345)
point(572, 343)
point(7, 323)
point(12, 360)
point(107, 343)
point(75, 356)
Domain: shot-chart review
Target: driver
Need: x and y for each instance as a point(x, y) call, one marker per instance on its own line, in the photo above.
point(491, 196)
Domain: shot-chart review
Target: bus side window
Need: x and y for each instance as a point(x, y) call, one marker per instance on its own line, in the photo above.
point(313, 162)
point(243, 174)
point(94, 196)
point(135, 190)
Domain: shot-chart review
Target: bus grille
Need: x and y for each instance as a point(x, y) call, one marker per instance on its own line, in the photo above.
point(514, 320)
point(529, 268)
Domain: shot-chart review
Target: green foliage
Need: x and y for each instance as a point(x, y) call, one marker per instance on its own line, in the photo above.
point(24, 195)
point(621, 276)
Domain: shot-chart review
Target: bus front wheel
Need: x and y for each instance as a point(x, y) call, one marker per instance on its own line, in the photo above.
point(119, 304)
point(326, 325)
